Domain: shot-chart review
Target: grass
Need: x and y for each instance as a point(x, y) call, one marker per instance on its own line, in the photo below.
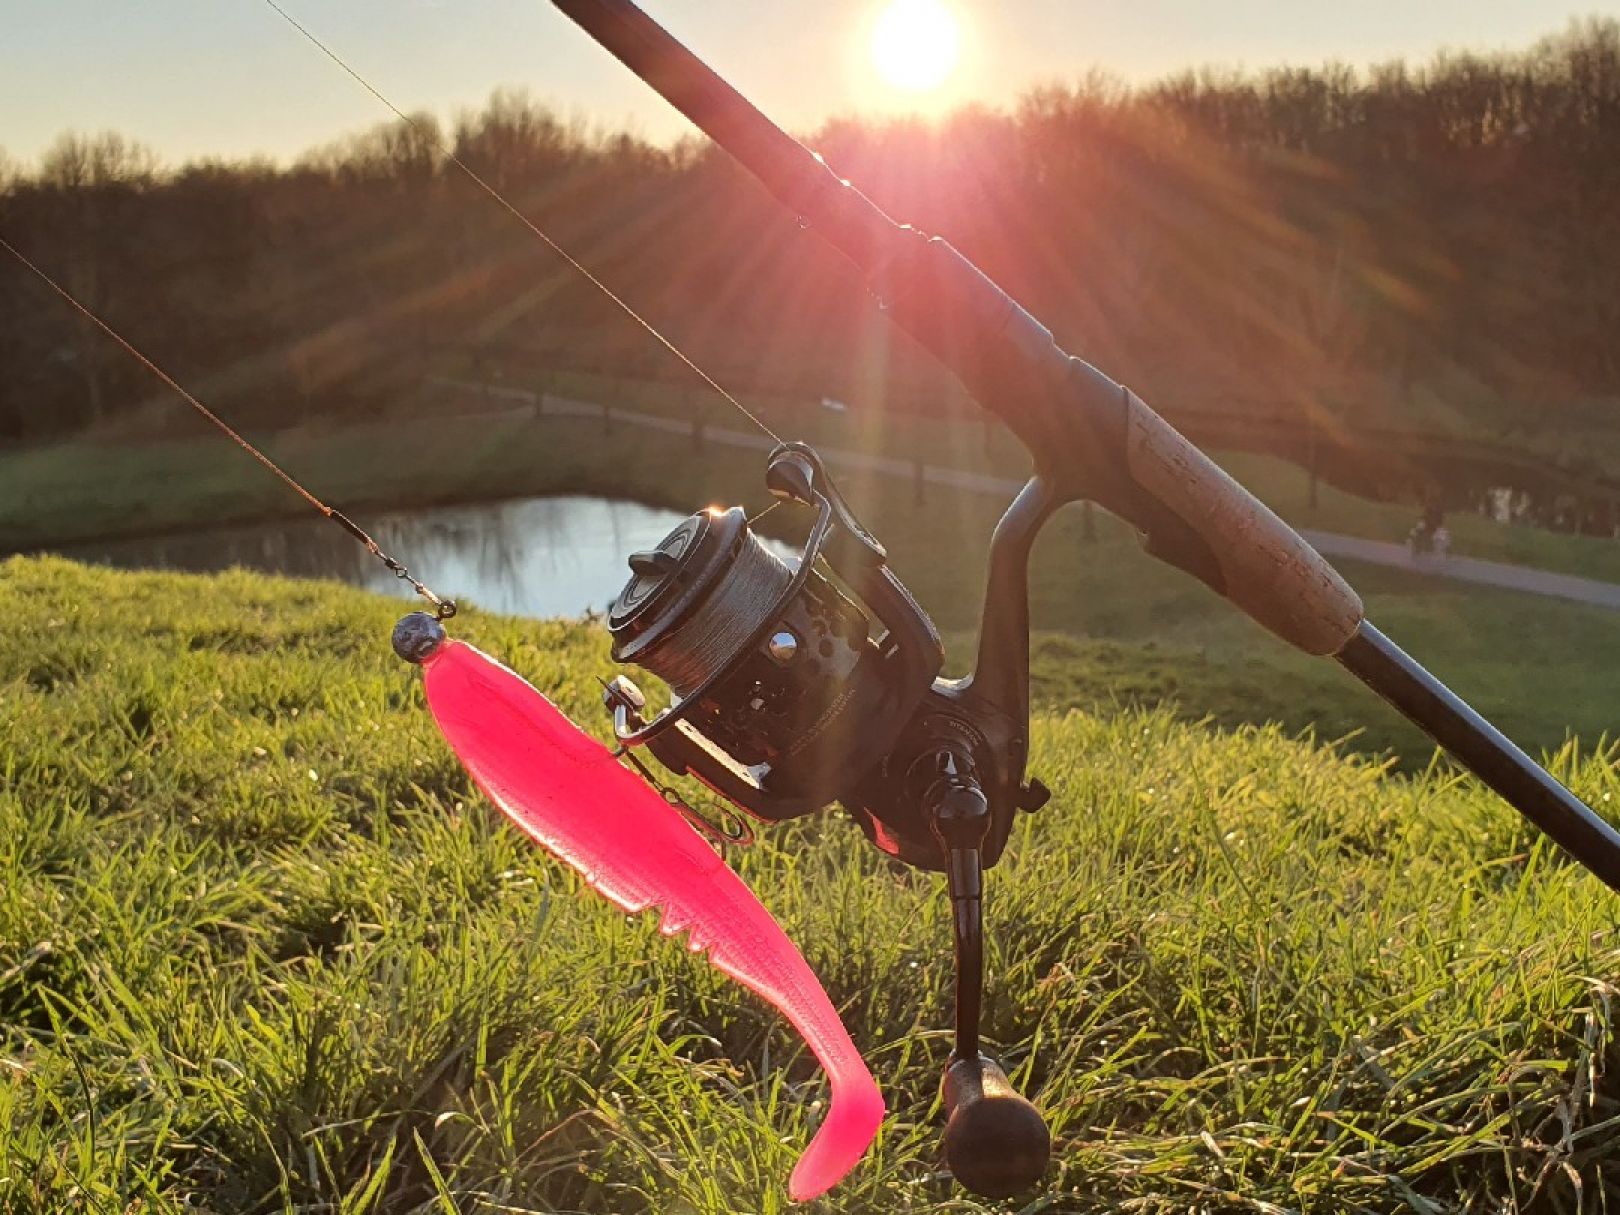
point(263, 949)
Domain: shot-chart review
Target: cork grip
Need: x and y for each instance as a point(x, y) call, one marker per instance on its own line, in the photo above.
point(1266, 567)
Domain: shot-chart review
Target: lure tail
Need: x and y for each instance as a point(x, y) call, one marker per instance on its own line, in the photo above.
point(569, 793)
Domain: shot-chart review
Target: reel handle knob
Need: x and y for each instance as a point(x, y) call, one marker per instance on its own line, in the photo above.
point(996, 1142)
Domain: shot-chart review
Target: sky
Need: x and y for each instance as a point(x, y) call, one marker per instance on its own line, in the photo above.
point(229, 78)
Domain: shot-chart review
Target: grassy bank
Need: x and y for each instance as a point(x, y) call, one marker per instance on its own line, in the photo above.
point(262, 948)
point(449, 446)
point(1118, 627)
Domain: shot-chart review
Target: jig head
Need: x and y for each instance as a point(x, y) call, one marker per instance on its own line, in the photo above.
point(568, 792)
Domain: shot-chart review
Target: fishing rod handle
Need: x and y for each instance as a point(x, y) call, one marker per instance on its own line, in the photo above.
point(1089, 436)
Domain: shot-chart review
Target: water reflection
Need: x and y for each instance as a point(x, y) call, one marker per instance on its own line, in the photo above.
point(527, 557)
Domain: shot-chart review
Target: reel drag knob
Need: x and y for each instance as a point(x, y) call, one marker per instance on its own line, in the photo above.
point(996, 1142)
point(654, 564)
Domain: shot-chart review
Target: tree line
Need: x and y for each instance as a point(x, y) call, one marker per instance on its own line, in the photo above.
point(1425, 245)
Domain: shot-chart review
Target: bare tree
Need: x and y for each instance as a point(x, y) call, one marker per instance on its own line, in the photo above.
point(407, 153)
point(92, 176)
point(514, 140)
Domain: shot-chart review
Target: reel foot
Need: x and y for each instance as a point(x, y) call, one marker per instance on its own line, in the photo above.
point(996, 1142)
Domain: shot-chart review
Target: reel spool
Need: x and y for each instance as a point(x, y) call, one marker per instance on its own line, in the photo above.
point(797, 684)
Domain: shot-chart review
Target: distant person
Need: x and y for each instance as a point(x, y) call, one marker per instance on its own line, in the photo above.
point(1434, 514)
point(1430, 535)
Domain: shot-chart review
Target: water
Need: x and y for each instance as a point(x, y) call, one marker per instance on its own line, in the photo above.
point(536, 557)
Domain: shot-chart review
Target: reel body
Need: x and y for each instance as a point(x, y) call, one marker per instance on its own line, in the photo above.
point(796, 685)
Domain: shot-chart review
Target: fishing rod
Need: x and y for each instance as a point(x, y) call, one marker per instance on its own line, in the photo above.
point(797, 684)
point(797, 687)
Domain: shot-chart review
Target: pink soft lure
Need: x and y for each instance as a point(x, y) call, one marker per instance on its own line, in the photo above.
point(569, 792)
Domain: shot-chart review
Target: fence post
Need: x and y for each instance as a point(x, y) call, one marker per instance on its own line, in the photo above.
point(1311, 458)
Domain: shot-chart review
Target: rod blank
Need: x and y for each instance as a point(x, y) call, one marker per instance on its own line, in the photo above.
point(1488, 753)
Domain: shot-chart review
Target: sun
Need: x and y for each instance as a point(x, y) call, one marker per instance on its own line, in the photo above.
point(915, 44)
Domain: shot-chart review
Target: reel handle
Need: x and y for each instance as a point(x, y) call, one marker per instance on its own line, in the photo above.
point(996, 1142)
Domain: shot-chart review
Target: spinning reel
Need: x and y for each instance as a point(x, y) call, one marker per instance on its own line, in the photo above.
point(799, 685)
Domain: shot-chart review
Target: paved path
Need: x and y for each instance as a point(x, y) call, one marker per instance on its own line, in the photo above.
point(1329, 544)
point(1469, 569)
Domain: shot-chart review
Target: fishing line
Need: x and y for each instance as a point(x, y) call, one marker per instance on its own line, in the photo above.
point(724, 621)
point(443, 608)
point(449, 153)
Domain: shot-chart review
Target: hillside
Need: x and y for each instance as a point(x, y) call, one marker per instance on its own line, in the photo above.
point(260, 946)
point(1540, 668)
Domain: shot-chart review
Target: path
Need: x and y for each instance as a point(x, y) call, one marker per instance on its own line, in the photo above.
point(1329, 544)
point(1469, 569)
